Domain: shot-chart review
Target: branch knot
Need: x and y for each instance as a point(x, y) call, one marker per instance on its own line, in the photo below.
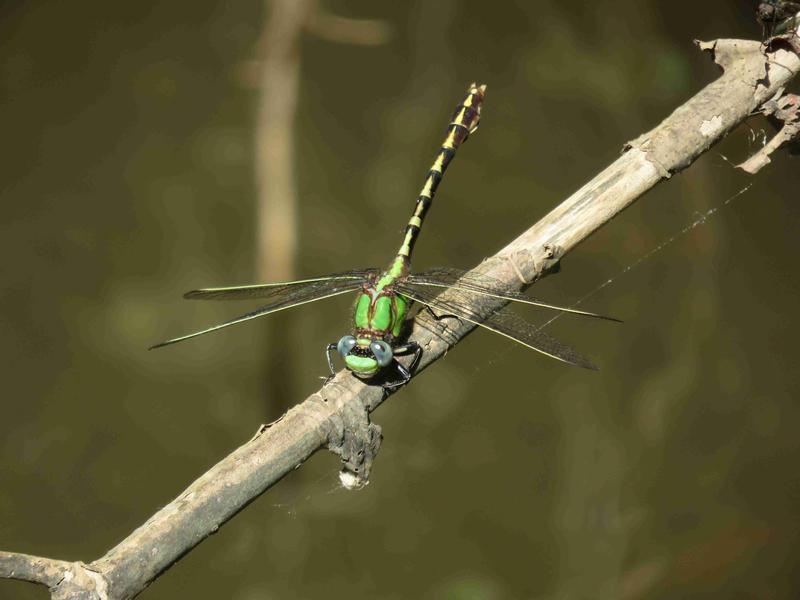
point(356, 441)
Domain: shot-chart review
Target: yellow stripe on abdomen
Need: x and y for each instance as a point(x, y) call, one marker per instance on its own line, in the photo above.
point(464, 122)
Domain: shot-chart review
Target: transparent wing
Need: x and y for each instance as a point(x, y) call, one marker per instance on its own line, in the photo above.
point(282, 290)
point(301, 294)
point(503, 322)
point(461, 280)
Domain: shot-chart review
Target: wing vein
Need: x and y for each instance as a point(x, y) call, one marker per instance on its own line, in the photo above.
point(507, 324)
point(463, 281)
point(318, 294)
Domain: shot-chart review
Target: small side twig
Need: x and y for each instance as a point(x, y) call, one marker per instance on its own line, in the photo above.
point(35, 569)
point(783, 112)
point(343, 30)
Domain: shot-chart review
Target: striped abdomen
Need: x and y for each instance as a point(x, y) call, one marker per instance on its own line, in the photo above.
point(465, 121)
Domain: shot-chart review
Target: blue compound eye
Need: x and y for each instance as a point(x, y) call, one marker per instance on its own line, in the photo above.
point(346, 344)
point(382, 352)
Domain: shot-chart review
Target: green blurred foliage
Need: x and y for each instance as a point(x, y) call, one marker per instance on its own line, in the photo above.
point(127, 179)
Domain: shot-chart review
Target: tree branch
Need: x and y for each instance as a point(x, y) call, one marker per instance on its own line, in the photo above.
point(45, 571)
point(337, 416)
point(784, 113)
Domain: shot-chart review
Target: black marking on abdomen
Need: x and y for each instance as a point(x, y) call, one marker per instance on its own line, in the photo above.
point(464, 121)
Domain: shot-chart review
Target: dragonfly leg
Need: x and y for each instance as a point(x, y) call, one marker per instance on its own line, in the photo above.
point(409, 348)
point(440, 317)
point(328, 350)
point(405, 373)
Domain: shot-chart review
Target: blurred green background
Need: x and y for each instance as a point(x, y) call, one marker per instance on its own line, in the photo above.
point(128, 178)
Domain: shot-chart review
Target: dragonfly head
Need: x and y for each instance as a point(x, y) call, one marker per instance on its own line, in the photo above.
point(364, 356)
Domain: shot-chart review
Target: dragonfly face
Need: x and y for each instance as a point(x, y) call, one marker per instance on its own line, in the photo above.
point(364, 356)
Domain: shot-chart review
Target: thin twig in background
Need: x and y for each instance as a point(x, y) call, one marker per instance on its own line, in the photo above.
point(278, 82)
point(343, 30)
point(337, 416)
point(276, 205)
point(275, 173)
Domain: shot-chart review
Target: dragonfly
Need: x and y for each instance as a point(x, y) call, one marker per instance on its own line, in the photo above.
point(385, 296)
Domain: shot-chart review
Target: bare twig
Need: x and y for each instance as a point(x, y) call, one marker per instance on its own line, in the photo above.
point(278, 82)
point(336, 416)
point(276, 206)
point(343, 30)
point(35, 569)
point(784, 112)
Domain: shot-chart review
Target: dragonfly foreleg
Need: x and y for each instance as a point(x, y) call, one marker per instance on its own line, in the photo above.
point(328, 350)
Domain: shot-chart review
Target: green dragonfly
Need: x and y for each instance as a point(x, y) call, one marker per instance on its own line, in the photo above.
point(385, 296)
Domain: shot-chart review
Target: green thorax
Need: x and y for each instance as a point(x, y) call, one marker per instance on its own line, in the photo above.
point(380, 311)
